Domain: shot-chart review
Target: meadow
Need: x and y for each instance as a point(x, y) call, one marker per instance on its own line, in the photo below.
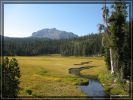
point(49, 75)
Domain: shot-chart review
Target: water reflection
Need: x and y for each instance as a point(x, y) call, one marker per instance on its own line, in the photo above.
point(94, 88)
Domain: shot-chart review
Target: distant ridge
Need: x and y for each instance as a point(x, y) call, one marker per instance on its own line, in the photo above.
point(54, 33)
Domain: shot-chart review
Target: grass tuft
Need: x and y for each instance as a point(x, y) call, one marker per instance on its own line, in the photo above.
point(42, 72)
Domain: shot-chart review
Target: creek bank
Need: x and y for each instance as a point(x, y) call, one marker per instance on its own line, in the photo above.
point(93, 87)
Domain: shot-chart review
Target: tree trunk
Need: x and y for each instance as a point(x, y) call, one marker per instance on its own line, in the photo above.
point(111, 61)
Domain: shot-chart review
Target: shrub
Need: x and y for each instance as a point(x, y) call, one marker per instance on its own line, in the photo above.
point(28, 91)
point(10, 77)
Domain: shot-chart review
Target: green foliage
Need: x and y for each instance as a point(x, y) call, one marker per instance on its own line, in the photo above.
point(10, 77)
point(112, 87)
point(107, 58)
point(82, 46)
point(106, 77)
point(117, 91)
point(117, 37)
point(28, 91)
point(77, 81)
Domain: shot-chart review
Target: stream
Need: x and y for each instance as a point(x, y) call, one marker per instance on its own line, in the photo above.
point(93, 88)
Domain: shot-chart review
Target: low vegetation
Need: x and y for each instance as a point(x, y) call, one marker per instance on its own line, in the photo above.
point(101, 73)
point(49, 76)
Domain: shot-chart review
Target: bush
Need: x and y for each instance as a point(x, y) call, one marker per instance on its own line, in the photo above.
point(28, 91)
point(10, 77)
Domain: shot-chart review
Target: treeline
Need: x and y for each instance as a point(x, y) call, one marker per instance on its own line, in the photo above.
point(83, 46)
point(117, 39)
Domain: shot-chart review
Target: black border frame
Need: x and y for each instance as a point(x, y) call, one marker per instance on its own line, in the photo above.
point(2, 2)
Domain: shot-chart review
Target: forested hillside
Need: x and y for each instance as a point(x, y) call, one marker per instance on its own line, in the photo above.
point(83, 46)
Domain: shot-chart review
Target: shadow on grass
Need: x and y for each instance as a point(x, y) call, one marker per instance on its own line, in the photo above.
point(82, 63)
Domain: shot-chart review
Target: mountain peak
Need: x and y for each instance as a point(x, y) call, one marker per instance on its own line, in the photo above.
point(54, 33)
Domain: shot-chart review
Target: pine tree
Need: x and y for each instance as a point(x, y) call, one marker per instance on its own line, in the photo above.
point(115, 38)
point(10, 78)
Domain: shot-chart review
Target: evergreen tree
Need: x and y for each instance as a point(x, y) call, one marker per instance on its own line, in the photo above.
point(116, 39)
point(82, 46)
point(10, 78)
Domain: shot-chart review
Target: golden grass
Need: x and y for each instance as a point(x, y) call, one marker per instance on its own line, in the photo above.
point(98, 67)
point(48, 75)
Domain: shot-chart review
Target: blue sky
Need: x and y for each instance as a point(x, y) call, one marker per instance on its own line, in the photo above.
point(21, 20)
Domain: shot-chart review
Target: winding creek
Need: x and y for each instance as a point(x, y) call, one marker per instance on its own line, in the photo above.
point(93, 88)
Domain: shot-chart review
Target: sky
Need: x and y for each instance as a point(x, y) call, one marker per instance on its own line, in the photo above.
point(21, 20)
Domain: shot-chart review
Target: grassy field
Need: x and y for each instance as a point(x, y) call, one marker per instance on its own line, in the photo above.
point(49, 75)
